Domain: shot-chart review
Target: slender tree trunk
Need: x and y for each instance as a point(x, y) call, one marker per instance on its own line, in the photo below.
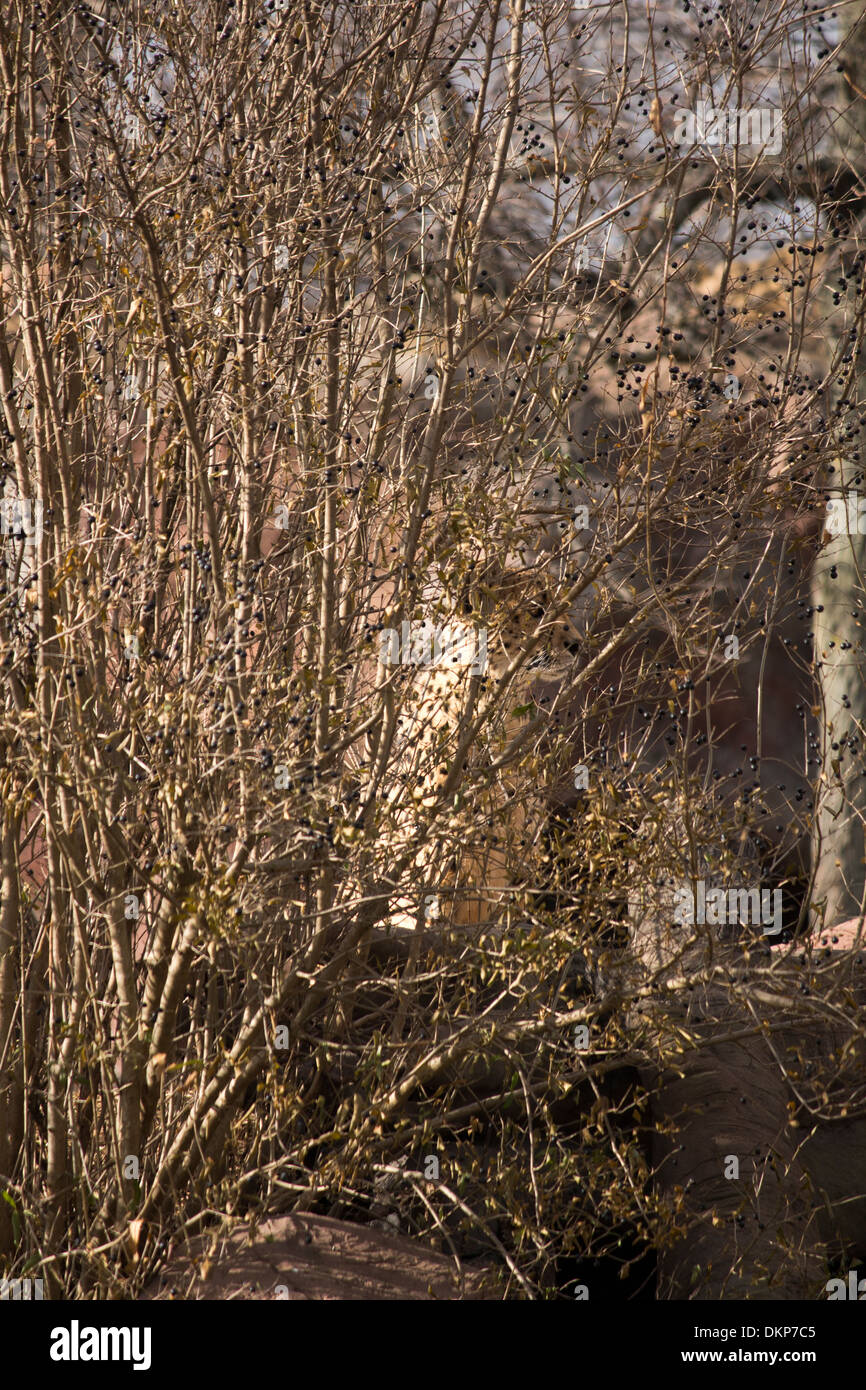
point(837, 591)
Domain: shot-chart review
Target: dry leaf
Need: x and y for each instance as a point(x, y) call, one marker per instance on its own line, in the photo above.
point(134, 1237)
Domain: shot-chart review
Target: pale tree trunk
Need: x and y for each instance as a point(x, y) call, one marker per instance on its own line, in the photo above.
point(837, 592)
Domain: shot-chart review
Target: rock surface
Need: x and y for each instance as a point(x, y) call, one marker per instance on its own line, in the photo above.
point(314, 1257)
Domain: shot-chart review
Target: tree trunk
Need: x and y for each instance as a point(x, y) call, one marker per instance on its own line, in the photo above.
point(837, 590)
point(722, 1143)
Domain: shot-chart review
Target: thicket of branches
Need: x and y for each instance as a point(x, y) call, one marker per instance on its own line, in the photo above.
point(319, 318)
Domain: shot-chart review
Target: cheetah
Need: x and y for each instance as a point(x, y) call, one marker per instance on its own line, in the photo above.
point(468, 820)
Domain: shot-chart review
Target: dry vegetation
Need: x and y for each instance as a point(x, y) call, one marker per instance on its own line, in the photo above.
point(322, 317)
